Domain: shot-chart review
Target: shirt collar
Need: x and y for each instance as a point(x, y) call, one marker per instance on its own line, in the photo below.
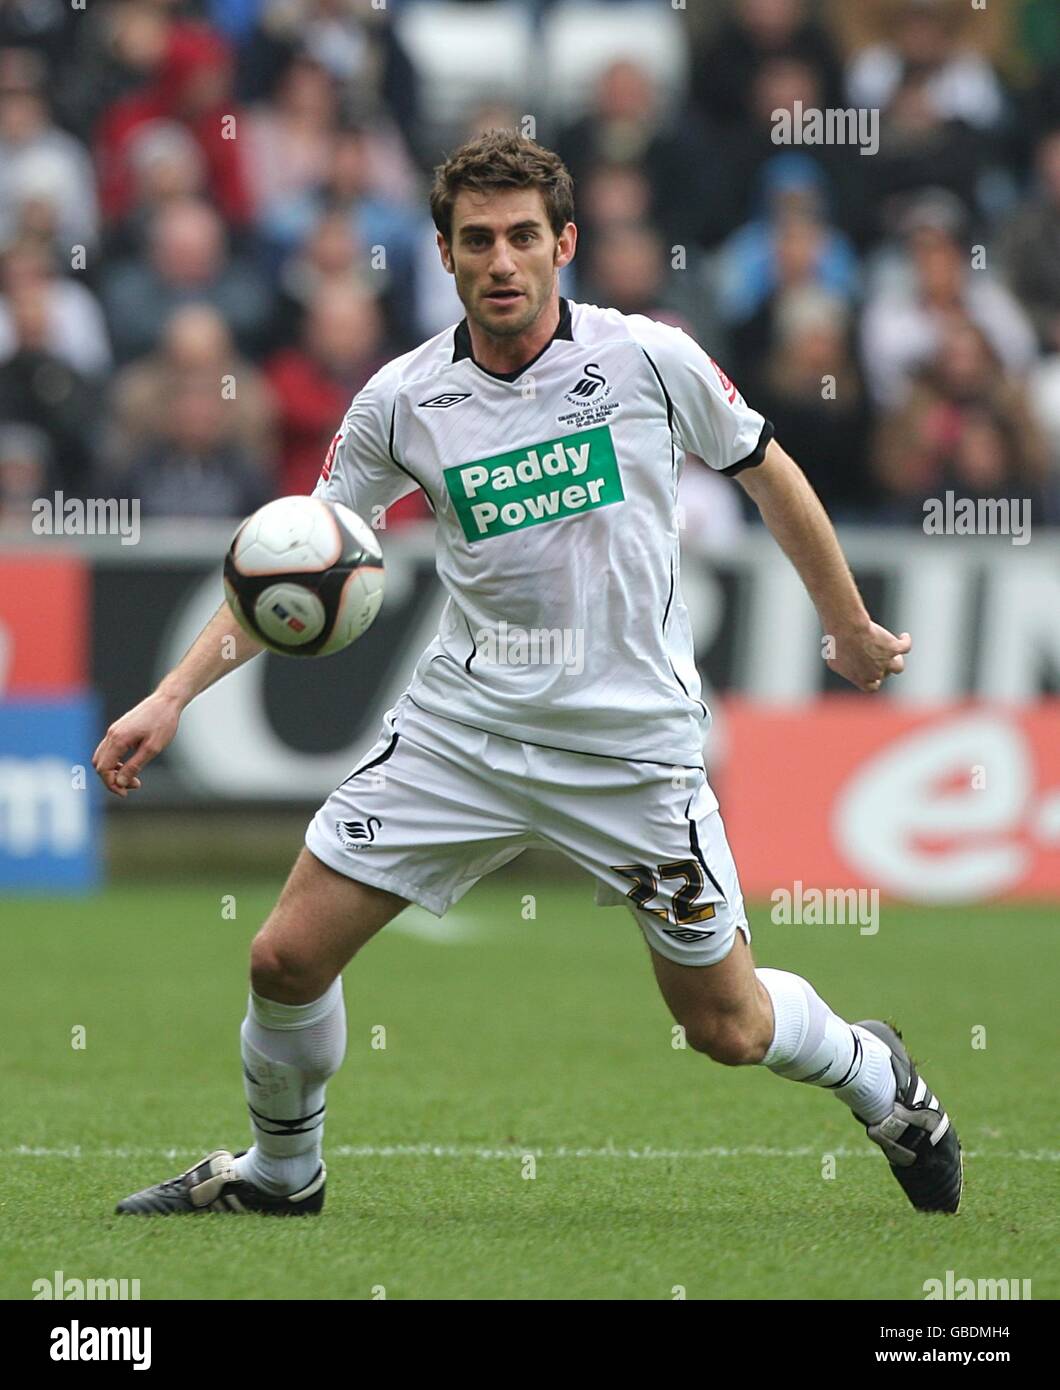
point(462, 344)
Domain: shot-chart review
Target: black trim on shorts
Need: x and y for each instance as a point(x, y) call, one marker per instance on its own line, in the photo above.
point(387, 751)
point(582, 752)
point(693, 840)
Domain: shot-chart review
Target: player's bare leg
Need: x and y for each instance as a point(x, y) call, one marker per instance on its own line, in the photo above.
point(742, 1016)
point(723, 1009)
point(320, 921)
point(292, 1041)
point(294, 1035)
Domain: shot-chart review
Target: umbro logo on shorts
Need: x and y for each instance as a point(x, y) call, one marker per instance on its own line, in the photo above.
point(355, 834)
point(686, 934)
point(446, 399)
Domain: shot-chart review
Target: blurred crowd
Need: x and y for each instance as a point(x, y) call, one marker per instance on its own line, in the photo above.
point(213, 231)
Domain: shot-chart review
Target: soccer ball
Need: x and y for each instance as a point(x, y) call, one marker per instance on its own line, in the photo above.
point(304, 576)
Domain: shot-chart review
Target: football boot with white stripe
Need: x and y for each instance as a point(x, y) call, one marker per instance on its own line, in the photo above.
point(212, 1185)
point(920, 1143)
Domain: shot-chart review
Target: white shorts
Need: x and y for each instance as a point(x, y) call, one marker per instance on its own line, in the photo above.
point(436, 804)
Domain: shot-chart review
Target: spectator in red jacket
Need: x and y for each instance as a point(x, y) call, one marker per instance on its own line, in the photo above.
point(342, 346)
point(193, 86)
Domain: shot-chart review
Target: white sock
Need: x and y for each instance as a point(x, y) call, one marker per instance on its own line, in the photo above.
point(289, 1052)
point(814, 1045)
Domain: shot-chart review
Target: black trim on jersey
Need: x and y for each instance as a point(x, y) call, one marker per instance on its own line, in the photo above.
point(398, 464)
point(673, 668)
point(673, 465)
point(582, 752)
point(462, 345)
point(753, 458)
point(669, 407)
point(444, 656)
point(684, 687)
point(471, 654)
point(387, 751)
point(669, 596)
point(693, 840)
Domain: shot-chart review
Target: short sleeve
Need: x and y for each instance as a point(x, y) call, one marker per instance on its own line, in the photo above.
point(359, 469)
point(708, 415)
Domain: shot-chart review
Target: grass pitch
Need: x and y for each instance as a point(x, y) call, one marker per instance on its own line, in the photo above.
point(528, 1130)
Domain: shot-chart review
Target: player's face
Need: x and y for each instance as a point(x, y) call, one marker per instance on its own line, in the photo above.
point(504, 256)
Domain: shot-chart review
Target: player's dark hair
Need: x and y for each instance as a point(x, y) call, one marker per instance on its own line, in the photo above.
point(502, 159)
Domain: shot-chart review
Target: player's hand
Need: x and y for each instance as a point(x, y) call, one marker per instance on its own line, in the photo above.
point(134, 740)
point(866, 656)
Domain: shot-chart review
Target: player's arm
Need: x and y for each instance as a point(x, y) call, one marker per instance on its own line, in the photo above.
point(141, 735)
point(865, 652)
point(359, 471)
point(710, 418)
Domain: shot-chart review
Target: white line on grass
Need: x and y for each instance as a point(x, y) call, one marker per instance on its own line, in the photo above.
point(515, 1151)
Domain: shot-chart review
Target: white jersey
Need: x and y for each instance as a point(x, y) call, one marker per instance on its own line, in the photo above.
point(554, 491)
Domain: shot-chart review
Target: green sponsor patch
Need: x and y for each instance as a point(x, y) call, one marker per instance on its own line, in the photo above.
point(541, 482)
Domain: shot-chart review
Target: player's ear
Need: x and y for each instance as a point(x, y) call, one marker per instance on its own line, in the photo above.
point(445, 253)
point(566, 243)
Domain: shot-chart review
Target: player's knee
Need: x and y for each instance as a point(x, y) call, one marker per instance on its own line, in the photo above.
point(728, 1041)
point(281, 971)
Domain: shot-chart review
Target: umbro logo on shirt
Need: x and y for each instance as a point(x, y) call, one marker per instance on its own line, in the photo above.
point(446, 399)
